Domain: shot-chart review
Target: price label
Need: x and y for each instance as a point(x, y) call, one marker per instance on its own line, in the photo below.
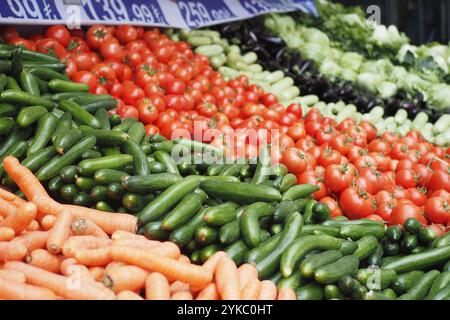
point(201, 13)
point(255, 7)
point(29, 9)
point(147, 11)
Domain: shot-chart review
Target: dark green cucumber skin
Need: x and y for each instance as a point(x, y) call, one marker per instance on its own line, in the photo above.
point(220, 215)
point(17, 150)
point(321, 229)
point(441, 282)
point(421, 288)
point(137, 132)
point(24, 98)
point(81, 115)
point(237, 251)
point(292, 282)
point(262, 172)
point(250, 225)
point(140, 162)
point(103, 116)
point(332, 292)
point(406, 281)
point(299, 191)
point(230, 232)
point(348, 247)
point(116, 162)
point(68, 174)
point(383, 278)
point(85, 184)
point(311, 291)
point(419, 261)
point(105, 137)
point(16, 135)
point(240, 192)
point(366, 246)
point(150, 183)
point(331, 273)
point(29, 115)
point(185, 233)
point(165, 158)
point(356, 232)
point(52, 168)
point(45, 127)
point(65, 141)
point(107, 176)
point(184, 211)
point(311, 264)
point(206, 235)
point(64, 125)
point(208, 251)
point(6, 125)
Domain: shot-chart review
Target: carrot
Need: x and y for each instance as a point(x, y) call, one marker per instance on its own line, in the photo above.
point(209, 293)
point(21, 219)
point(66, 287)
point(33, 226)
point(83, 227)
point(24, 179)
point(32, 240)
point(227, 279)
point(247, 273)
point(128, 295)
point(286, 294)
point(97, 273)
point(211, 265)
point(66, 264)
point(136, 243)
point(59, 233)
point(251, 290)
point(157, 287)
point(113, 264)
point(7, 208)
point(41, 258)
point(11, 251)
point(48, 221)
point(121, 234)
point(182, 295)
point(167, 249)
point(125, 278)
point(268, 290)
point(83, 242)
point(191, 274)
point(9, 196)
point(178, 286)
point(93, 257)
point(14, 290)
point(184, 259)
point(6, 234)
point(12, 275)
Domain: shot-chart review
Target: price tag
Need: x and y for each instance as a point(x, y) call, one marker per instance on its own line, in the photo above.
point(203, 12)
point(29, 10)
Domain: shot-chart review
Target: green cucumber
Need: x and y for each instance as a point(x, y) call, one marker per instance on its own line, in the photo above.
point(68, 192)
point(26, 99)
point(441, 282)
point(48, 74)
point(376, 258)
point(312, 263)
point(356, 232)
point(185, 233)
point(310, 291)
point(321, 229)
point(332, 292)
point(29, 83)
point(394, 233)
point(81, 115)
point(406, 281)
point(283, 209)
point(115, 191)
point(183, 212)
point(125, 125)
point(91, 154)
point(17, 150)
point(99, 193)
point(85, 184)
point(422, 287)
point(8, 110)
point(140, 163)
point(230, 232)
point(64, 125)
point(376, 279)
point(16, 135)
point(237, 251)
point(105, 137)
point(291, 282)
point(45, 127)
point(107, 176)
point(208, 251)
point(346, 266)
point(165, 159)
point(366, 246)
point(154, 231)
point(82, 199)
point(308, 212)
point(250, 227)
point(90, 166)
point(348, 247)
point(58, 85)
point(104, 206)
point(6, 125)
point(206, 235)
point(103, 116)
point(137, 132)
point(94, 106)
point(67, 140)
point(150, 183)
point(68, 174)
point(29, 115)
point(231, 170)
point(299, 191)
point(412, 225)
point(262, 172)
point(220, 215)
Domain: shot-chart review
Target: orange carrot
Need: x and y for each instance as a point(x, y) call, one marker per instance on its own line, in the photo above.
point(182, 295)
point(59, 233)
point(7, 208)
point(178, 286)
point(211, 264)
point(32, 240)
point(191, 274)
point(6, 234)
point(9, 196)
point(66, 287)
point(268, 290)
point(122, 234)
point(286, 294)
point(136, 243)
point(251, 290)
point(227, 279)
point(12, 275)
point(184, 259)
point(66, 264)
point(93, 257)
point(83, 227)
point(41, 258)
point(113, 264)
point(13, 290)
point(209, 293)
point(48, 221)
point(166, 249)
point(247, 273)
point(21, 219)
point(24, 179)
point(125, 278)
point(11, 251)
point(97, 273)
point(33, 226)
point(128, 295)
point(156, 287)
point(83, 242)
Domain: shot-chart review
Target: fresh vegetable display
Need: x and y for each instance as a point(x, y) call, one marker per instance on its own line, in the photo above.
point(190, 164)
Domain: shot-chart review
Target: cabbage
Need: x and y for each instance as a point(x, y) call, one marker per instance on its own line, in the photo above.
point(331, 69)
point(313, 51)
point(413, 82)
point(387, 89)
point(387, 37)
point(398, 73)
point(439, 96)
point(332, 54)
point(353, 19)
point(293, 40)
point(351, 60)
point(348, 75)
point(406, 52)
point(315, 36)
point(369, 66)
point(369, 81)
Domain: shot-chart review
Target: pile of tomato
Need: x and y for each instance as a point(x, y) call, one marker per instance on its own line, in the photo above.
point(168, 87)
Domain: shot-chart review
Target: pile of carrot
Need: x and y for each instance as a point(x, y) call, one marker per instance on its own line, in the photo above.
point(52, 251)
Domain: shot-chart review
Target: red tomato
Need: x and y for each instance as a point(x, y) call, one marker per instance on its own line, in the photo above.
point(439, 180)
point(405, 178)
point(8, 32)
point(295, 109)
point(329, 156)
point(131, 92)
point(315, 178)
point(59, 33)
point(295, 160)
point(110, 49)
point(87, 78)
point(77, 45)
point(356, 204)
point(50, 46)
point(405, 210)
point(151, 129)
point(127, 111)
point(437, 210)
point(83, 61)
point(335, 210)
point(96, 35)
point(126, 33)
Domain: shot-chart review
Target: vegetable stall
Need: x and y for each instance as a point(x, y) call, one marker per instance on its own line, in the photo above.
point(278, 157)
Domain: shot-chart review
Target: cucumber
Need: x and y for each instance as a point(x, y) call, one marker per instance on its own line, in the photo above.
point(376, 258)
point(419, 261)
point(208, 251)
point(321, 229)
point(409, 243)
point(443, 294)
point(390, 293)
point(283, 209)
point(332, 292)
point(103, 116)
point(366, 246)
point(91, 154)
point(347, 285)
point(16, 135)
point(308, 211)
point(292, 282)
point(166, 146)
point(17, 150)
point(153, 230)
point(394, 233)
point(6, 125)
point(168, 199)
point(115, 191)
point(26, 99)
point(165, 159)
point(220, 215)
point(185, 233)
point(54, 185)
point(406, 281)
point(137, 132)
point(156, 167)
point(68, 174)
point(85, 184)
point(231, 170)
point(373, 295)
point(79, 114)
point(421, 288)
point(288, 181)
point(104, 206)
point(250, 227)
point(348, 247)
point(310, 291)
point(312, 263)
point(356, 232)
point(262, 172)
point(52, 168)
point(58, 85)
point(346, 266)
point(412, 225)
point(45, 127)
point(29, 115)
point(391, 248)
point(237, 251)
point(99, 193)
point(140, 163)
point(271, 261)
point(299, 191)
point(65, 141)
point(376, 279)
point(321, 212)
point(150, 183)
point(8, 110)
point(68, 192)
point(82, 199)
point(206, 235)
point(276, 229)
point(427, 235)
point(116, 162)
point(230, 232)
point(441, 282)
point(240, 192)
point(184, 211)
point(64, 125)
point(443, 240)
point(105, 137)
point(291, 258)
point(48, 74)
point(107, 176)
point(29, 83)
point(125, 125)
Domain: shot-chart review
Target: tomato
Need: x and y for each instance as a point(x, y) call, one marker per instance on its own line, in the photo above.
point(365, 161)
point(315, 178)
point(18, 41)
point(59, 33)
point(379, 146)
point(325, 135)
point(312, 128)
point(148, 113)
point(110, 49)
point(175, 86)
point(338, 177)
point(390, 137)
point(406, 179)
point(50, 46)
point(83, 61)
point(295, 109)
point(127, 111)
point(131, 92)
point(441, 193)
point(383, 162)
point(437, 210)
point(438, 228)
point(384, 209)
point(126, 33)
point(346, 124)
point(71, 67)
point(335, 210)
point(115, 89)
point(8, 32)
point(295, 160)
point(87, 78)
point(405, 210)
point(151, 129)
point(96, 35)
point(341, 143)
point(399, 151)
point(177, 102)
point(370, 130)
point(104, 73)
point(356, 204)
point(417, 195)
point(329, 156)
point(158, 101)
point(439, 180)
point(77, 45)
